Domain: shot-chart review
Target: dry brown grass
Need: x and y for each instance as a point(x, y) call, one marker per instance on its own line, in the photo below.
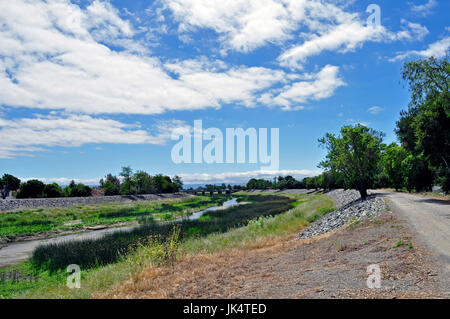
point(163, 281)
point(159, 282)
point(279, 267)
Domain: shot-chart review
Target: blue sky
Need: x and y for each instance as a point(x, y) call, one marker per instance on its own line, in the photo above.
point(89, 86)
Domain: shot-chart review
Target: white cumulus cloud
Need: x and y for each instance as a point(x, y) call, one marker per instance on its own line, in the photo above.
point(243, 177)
point(23, 136)
point(425, 8)
point(55, 55)
point(315, 86)
point(436, 49)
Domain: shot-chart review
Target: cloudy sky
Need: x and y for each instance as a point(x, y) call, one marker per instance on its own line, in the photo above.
point(89, 86)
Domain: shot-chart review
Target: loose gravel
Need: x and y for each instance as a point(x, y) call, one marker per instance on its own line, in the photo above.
point(350, 208)
point(343, 197)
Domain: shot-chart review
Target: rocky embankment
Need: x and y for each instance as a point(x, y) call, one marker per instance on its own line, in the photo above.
point(350, 208)
point(15, 204)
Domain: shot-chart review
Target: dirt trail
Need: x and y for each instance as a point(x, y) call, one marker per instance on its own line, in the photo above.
point(332, 266)
point(429, 219)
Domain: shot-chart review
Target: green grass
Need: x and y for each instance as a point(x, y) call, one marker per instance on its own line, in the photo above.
point(283, 224)
point(34, 221)
point(402, 243)
point(105, 278)
point(39, 279)
point(320, 213)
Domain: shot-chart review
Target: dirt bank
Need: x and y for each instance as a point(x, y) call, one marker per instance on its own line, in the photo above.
point(333, 265)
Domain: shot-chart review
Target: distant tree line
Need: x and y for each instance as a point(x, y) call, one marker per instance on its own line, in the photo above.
point(128, 183)
point(34, 188)
point(215, 188)
point(279, 182)
point(140, 182)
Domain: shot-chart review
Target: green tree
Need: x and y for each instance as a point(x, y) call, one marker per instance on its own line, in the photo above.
point(77, 190)
point(310, 182)
point(110, 189)
point(178, 182)
point(329, 180)
point(163, 184)
point(259, 184)
point(418, 175)
point(127, 184)
point(53, 191)
point(7, 184)
point(143, 183)
point(110, 185)
point(392, 159)
point(355, 154)
point(31, 189)
point(425, 127)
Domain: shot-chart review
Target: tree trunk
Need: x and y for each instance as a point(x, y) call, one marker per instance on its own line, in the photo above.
point(363, 192)
point(5, 192)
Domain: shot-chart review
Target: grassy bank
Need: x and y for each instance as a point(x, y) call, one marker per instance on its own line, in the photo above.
point(36, 221)
point(258, 231)
point(307, 209)
point(111, 247)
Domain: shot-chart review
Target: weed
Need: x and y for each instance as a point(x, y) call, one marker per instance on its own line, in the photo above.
point(402, 243)
point(353, 222)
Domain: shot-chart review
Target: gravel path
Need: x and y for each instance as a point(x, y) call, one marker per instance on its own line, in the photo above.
point(429, 218)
